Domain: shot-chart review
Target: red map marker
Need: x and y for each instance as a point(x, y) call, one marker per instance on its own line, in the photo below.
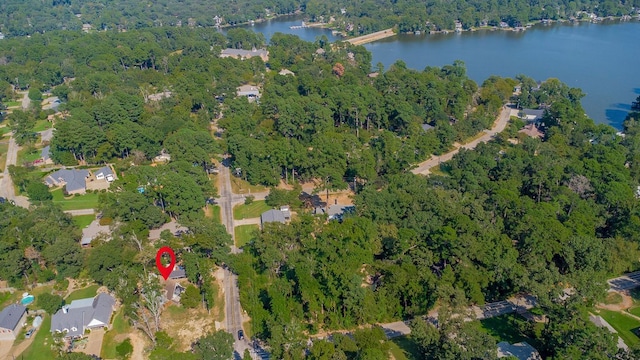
point(165, 271)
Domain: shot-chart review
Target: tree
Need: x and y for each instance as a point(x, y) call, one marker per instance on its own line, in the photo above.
point(217, 345)
point(149, 307)
point(124, 349)
point(38, 191)
point(50, 303)
point(191, 297)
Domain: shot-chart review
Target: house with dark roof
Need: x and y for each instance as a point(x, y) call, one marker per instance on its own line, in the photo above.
point(271, 216)
point(245, 54)
point(178, 273)
point(12, 318)
point(74, 180)
point(83, 314)
point(531, 115)
point(173, 290)
point(427, 127)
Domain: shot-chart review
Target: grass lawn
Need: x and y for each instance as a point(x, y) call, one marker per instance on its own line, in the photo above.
point(40, 349)
point(28, 154)
point(82, 293)
point(4, 146)
point(118, 333)
point(239, 186)
point(635, 310)
point(623, 324)
point(13, 103)
point(613, 299)
point(253, 210)
point(4, 130)
point(215, 209)
point(404, 348)
point(75, 202)
point(504, 328)
point(244, 234)
point(82, 221)
point(41, 125)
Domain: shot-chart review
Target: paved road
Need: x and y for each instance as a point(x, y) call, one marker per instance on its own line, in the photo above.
point(80, 212)
point(6, 184)
point(26, 102)
point(498, 126)
point(233, 308)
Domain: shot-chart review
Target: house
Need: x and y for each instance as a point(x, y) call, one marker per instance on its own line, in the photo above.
point(86, 27)
point(521, 351)
point(178, 273)
point(105, 173)
point(286, 212)
point(531, 115)
point(12, 318)
point(427, 127)
point(1, 36)
point(320, 51)
point(173, 291)
point(83, 314)
point(245, 54)
point(373, 75)
point(164, 157)
point(532, 130)
point(285, 72)
point(272, 216)
point(337, 212)
point(74, 180)
point(45, 155)
point(250, 91)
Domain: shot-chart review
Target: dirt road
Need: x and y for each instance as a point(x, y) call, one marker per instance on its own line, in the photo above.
point(498, 126)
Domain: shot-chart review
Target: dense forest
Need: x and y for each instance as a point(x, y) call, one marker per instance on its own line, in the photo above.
point(532, 217)
point(18, 17)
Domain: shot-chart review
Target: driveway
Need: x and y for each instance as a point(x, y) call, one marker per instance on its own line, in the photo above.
point(94, 345)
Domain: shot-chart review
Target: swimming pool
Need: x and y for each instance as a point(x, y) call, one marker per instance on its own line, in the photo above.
point(27, 300)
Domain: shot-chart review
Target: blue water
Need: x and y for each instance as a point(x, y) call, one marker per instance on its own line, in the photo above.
point(601, 59)
point(27, 300)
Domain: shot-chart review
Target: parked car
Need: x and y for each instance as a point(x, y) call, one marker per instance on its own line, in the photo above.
point(240, 335)
point(29, 333)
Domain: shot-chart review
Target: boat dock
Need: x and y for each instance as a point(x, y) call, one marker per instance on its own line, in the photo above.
point(303, 26)
point(365, 39)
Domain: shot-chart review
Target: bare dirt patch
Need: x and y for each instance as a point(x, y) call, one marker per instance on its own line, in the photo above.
point(139, 344)
point(185, 326)
point(626, 303)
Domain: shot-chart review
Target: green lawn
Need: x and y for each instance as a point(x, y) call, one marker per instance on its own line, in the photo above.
point(635, 310)
point(82, 293)
point(216, 213)
point(4, 146)
point(624, 325)
point(505, 328)
point(239, 186)
point(244, 234)
point(253, 210)
point(40, 349)
point(120, 326)
point(41, 125)
point(82, 221)
point(75, 202)
point(4, 130)
point(12, 103)
point(28, 154)
point(404, 348)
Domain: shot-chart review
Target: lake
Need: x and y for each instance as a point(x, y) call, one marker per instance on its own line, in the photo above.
point(601, 59)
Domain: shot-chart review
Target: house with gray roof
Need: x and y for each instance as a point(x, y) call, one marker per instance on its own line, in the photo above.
point(45, 154)
point(531, 115)
point(11, 320)
point(337, 212)
point(74, 180)
point(83, 314)
point(272, 216)
point(250, 91)
point(104, 173)
point(245, 54)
